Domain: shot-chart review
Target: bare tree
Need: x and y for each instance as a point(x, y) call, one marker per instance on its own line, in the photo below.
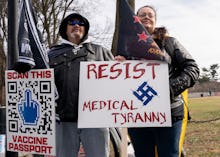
point(210, 74)
point(3, 38)
point(49, 14)
point(101, 33)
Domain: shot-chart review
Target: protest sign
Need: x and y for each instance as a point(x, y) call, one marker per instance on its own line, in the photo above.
point(124, 94)
point(30, 111)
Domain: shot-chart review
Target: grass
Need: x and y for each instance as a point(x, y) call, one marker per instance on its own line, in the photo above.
point(203, 131)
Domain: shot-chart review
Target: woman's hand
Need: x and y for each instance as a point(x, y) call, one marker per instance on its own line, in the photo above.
point(120, 58)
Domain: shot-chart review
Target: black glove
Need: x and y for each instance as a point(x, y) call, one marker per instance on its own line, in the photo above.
point(179, 84)
point(22, 67)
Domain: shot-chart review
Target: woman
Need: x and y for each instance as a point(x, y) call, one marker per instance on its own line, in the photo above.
point(183, 72)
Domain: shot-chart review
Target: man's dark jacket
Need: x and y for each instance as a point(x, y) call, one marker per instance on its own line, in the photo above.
point(65, 59)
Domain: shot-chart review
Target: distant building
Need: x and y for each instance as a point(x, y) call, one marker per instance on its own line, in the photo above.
point(205, 89)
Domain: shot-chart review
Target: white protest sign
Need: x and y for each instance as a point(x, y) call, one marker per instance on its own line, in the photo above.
point(124, 94)
point(30, 111)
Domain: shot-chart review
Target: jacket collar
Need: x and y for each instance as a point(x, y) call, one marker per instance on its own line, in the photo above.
point(64, 41)
point(88, 46)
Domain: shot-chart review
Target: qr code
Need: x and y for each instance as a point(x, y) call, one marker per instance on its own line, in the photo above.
point(30, 107)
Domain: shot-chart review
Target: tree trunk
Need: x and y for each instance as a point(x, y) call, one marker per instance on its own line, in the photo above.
point(132, 4)
point(2, 74)
point(2, 52)
point(115, 37)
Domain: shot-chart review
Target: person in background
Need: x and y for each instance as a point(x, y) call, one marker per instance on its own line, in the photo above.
point(183, 73)
point(65, 58)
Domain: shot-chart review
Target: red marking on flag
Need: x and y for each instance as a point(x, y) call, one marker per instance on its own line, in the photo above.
point(142, 36)
point(136, 19)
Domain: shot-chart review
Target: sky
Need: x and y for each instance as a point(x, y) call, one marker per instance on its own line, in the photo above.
point(194, 23)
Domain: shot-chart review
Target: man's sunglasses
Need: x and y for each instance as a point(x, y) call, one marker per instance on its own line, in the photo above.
point(76, 22)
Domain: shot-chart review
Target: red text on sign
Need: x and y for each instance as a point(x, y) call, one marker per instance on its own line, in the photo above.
point(120, 69)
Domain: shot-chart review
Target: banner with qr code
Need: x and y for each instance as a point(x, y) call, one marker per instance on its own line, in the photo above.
point(30, 111)
point(124, 94)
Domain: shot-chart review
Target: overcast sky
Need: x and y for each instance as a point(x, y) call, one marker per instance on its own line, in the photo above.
point(195, 23)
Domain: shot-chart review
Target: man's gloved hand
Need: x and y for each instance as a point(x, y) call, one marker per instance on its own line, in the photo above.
point(22, 67)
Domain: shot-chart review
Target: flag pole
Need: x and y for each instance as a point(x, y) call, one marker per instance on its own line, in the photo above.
point(124, 142)
point(12, 46)
point(12, 33)
point(124, 131)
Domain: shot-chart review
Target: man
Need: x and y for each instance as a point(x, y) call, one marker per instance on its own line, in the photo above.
point(65, 59)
